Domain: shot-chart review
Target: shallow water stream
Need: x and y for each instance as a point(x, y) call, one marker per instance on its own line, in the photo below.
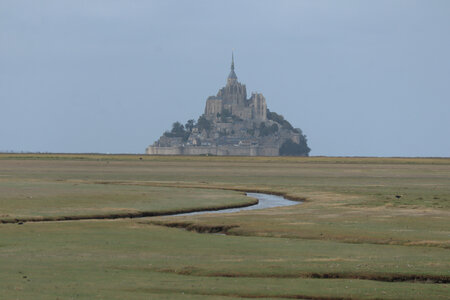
point(264, 201)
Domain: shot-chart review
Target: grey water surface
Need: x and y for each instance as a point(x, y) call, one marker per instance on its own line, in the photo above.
point(264, 201)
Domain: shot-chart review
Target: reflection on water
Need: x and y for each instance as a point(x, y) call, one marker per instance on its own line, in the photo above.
point(264, 201)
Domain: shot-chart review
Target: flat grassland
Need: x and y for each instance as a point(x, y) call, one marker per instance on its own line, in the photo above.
point(79, 227)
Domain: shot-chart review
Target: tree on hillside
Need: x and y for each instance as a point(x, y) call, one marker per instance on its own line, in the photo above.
point(290, 148)
point(178, 131)
point(204, 124)
point(190, 124)
point(265, 131)
point(279, 119)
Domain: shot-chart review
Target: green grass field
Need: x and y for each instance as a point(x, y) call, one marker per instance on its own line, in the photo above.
point(368, 228)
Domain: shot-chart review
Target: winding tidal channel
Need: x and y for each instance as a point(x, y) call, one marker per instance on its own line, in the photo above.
point(264, 201)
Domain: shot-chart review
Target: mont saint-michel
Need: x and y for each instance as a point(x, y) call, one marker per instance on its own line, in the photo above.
point(233, 124)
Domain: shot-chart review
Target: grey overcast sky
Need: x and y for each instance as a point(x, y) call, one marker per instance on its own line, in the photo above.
point(360, 78)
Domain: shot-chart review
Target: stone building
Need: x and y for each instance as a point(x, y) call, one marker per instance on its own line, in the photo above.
point(232, 124)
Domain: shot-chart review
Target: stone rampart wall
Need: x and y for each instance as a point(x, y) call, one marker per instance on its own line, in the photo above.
point(216, 150)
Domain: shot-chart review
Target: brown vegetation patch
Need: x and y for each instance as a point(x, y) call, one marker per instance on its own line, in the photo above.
point(442, 244)
point(388, 277)
point(196, 227)
point(330, 259)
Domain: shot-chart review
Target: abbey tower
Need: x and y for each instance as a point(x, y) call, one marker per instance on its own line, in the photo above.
point(233, 99)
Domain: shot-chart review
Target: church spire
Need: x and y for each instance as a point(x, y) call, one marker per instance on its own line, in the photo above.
point(232, 77)
point(232, 61)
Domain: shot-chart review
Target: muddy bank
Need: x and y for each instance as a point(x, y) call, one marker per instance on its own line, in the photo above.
point(387, 277)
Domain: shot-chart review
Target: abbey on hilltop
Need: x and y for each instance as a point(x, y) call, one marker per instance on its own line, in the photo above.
point(233, 125)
